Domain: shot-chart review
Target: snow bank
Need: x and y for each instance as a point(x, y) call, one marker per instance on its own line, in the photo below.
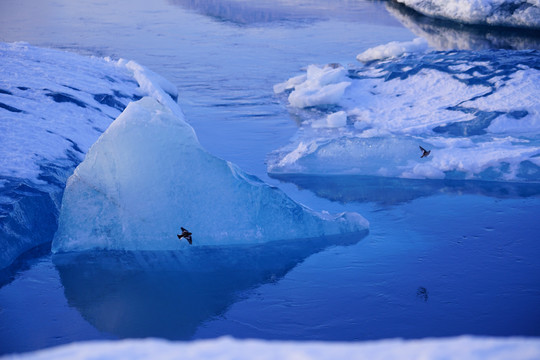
point(147, 175)
point(53, 106)
point(54, 102)
point(476, 111)
point(393, 49)
point(469, 348)
point(514, 13)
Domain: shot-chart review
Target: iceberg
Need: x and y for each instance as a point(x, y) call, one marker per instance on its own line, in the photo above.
point(476, 111)
point(512, 13)
point(147, 176)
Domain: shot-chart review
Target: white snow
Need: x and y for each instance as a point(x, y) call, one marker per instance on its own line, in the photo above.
point(147, 175)
point(393, 49)
point(480, 118)
point(458, 348)
point(43, 129)
point(516, 13)
point(334, 120)
point(53, 107)
point(321, 86)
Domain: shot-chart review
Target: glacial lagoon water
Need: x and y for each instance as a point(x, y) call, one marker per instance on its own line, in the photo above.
point(442, 257)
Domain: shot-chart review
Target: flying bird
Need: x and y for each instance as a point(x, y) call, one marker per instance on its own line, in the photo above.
point(185, 234)
point(424, 152)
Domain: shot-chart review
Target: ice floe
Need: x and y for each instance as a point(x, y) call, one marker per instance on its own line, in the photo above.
point(54, 105)
point(476, 111)
point(393, 49)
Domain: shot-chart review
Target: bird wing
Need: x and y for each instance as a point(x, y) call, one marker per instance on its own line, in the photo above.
point(183, 229)
point(421, 148)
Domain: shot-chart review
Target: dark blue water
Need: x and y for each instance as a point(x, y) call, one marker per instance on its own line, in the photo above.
point(440, 259)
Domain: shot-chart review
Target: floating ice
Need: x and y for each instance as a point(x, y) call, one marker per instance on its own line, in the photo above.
point(515, 13)
point(147, 175)
point(393, 49)
point(477, 111)
point(464, 347)
point(322, 86)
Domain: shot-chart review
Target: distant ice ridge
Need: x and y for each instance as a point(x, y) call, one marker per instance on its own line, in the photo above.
point(457, 348)
point(477, 111)
point(514, 13)
point(53, 106)
point(147, 175)
point(450, 35)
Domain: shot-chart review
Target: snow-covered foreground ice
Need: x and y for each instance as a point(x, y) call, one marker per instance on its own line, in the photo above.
point(147, 176)
point(53, 106)
point(515, 13)
point(477, 112)
point(470, 348)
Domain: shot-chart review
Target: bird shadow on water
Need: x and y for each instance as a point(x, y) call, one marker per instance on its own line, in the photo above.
point(393, 191)
point(169, 294)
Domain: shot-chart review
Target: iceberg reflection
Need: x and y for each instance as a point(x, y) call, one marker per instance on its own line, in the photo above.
point(450, 35)
point(169, 294)
point(243, 12)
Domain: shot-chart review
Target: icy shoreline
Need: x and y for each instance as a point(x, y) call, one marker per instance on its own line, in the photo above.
point(464, 347)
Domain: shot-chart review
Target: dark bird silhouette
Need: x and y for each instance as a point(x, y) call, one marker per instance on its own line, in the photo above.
point(424, 152)
point(185, 234)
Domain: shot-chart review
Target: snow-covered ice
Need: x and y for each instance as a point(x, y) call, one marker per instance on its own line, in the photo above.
point(477, 111)
point(465, 347)
point(147, 175)
point(450, 35)
point(53, 105)
point(393, 49)
point(515, 13)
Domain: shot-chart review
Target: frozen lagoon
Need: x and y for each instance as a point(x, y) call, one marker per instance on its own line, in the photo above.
point(237, 118)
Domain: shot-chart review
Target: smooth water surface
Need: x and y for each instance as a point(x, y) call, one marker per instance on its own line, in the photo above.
point(440, 259)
